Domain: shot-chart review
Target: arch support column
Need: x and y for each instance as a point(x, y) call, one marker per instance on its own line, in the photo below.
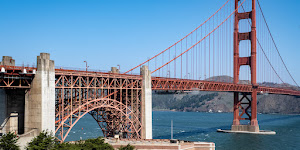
point(40, 100)
point(146, 103)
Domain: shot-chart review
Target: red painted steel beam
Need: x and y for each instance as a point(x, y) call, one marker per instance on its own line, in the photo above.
point(159, 83)
point(202, 85)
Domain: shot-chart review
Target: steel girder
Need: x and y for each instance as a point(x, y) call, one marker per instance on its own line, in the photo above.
point(202, 85)
point(15, 77)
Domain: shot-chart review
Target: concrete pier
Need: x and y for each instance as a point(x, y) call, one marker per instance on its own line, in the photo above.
point(114, 70)
point(248, 128)
point(146, 103)
point(8, 61)
point(12, 123)
point(262, 132)
point(40, 100)
point(2, 109)
point(11, 105)
point(15, 101)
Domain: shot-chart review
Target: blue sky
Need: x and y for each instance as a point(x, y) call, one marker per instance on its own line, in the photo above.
point(111, 32)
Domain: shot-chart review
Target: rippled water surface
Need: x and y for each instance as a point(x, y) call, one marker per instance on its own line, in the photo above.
point(196, 126)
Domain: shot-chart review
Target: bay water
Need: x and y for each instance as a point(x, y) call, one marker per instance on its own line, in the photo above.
point(199, 126)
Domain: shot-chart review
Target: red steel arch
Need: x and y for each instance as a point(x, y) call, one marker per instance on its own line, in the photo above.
point(128, 125)
point(113, 100)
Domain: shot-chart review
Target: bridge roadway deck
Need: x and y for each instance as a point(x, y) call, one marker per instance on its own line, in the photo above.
point(158, 83)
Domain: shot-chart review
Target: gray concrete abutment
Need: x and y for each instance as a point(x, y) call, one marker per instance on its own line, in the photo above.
point(24, 110)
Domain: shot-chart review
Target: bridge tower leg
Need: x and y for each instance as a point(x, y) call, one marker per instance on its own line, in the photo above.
point(40, 99)
point(250, 61)
point(146, 103)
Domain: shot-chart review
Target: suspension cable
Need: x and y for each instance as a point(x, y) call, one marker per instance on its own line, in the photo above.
point(265, 53)
point(201, 39)
point(275, 43)
point(178, 41)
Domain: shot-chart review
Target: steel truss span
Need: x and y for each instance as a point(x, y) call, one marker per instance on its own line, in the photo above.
point(114, 101)
point(159, 83)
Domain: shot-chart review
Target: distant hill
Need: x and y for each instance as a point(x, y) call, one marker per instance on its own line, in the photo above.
point(223, 101)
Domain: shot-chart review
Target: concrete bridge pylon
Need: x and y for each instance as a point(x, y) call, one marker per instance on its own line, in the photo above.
point(40, 99)
point(146, 103)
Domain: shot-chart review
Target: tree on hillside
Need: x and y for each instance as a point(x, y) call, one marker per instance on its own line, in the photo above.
point(9, 142)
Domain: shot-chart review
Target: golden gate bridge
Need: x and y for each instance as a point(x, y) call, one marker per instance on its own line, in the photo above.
point(232, 51)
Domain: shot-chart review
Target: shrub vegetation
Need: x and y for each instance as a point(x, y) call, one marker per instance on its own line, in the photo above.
point(9, 142)
point(46, 141)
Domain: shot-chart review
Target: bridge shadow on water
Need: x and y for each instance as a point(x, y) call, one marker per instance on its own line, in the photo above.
point(198, 130)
